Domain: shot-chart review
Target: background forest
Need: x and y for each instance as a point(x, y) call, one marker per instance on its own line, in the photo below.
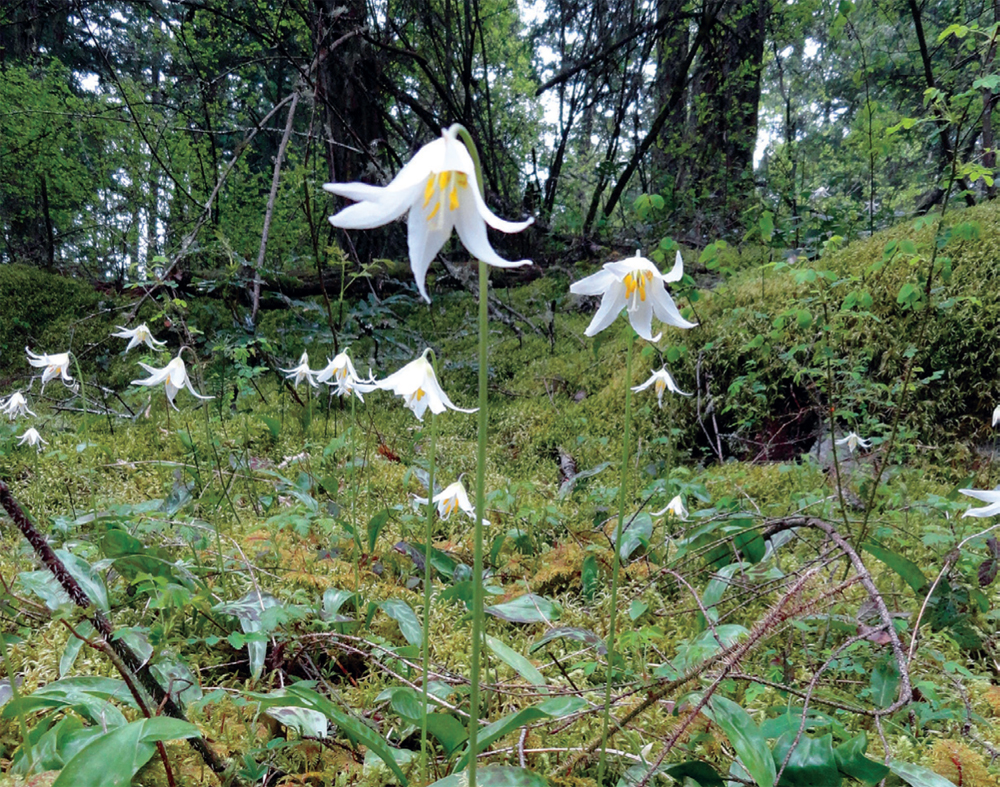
point(762, 572)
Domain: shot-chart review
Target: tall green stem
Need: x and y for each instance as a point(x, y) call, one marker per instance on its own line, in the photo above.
point(477, 555)
point(354, 507)
point(616, 559)
point(428, 536)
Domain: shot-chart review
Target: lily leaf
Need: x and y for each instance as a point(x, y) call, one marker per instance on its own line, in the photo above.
point(746, 737)
point(528, 608)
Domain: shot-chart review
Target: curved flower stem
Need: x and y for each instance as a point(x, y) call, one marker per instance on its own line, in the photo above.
point(428, 535)
point(458, 130)
point(616, 559)
point(477, 559)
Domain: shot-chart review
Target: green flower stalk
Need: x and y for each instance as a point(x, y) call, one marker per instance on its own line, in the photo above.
point(441, 189)
point(636, 285)
point(616, 560)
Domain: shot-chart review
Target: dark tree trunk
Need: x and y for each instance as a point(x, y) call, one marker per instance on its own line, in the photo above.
point(713, 167)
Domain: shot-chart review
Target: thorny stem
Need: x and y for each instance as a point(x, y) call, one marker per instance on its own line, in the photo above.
point(477, 560)
point(100, 622)
point(616, 559)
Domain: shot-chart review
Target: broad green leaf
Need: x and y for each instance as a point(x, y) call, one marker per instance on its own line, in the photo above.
point(273, 426)
point(636, 534)
point(407, 619)
point(516, 661)
point(91, 697)
point(333, 600)
point(375, 527)
point(248, 611)
point(495, 776)
point(907, 569)
point(585, 636)
point(555, 708)
point(812, 763)
point(852, 762)
point(350, 726)
point(589, 576)
point(746, 738)
point(306, 722)
point(885, 682)
point(700, 772)
point(528, 608)
point(113, 759)
point(917, 775)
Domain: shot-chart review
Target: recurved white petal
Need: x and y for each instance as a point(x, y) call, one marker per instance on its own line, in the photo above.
point(611, 305)
point(472, 232)
point(595, 284)
point(666, 310)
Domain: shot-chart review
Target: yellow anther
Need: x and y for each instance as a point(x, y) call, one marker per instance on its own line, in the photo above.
point(660, 385)
point(429, 190)
point(443, 179)
point(453, 198)
point(433, 213)
point(463, 180)
point(417, 395)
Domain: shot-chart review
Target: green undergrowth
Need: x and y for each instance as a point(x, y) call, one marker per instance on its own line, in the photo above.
point(229, 535)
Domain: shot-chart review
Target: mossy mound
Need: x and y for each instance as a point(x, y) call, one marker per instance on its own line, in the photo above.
point(783, 344)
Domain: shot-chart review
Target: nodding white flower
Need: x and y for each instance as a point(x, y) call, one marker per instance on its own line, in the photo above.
point(675, 508)
point(996, 415)
point(663, 382)
point(419, 387)
point(301, 372)
point(451, 499)
point(634, 284)
point(139, 335)
point(15, 405)
point(852, 441)
point(439, 189)
point(32, 438)
point(174, 375)
point(56, 365)
point(991, 496)
point(340, 372)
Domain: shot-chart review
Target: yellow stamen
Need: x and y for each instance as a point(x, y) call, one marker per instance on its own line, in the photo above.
point(429, 190)
point(443, 179)
point(660, 386)
point(453, 198)
point(417, 395)
point(433, 213)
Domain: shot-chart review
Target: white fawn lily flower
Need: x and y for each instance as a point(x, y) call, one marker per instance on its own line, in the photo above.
point(15, 405)
point(634, 284)
point(139, 335)
point(56, 365)
point(991, 496)
point(996, 415)
point(32, 438)
point(852, 441)
point(675, 508)
point(663, 382)
point(451, 499)
point(301, 372)
point(418, 385)
point(174, 375)
point(340, 372)
point(439, 189)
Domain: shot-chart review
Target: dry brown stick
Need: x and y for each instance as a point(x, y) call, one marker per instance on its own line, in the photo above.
point(101, 623)
point(269, 212)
